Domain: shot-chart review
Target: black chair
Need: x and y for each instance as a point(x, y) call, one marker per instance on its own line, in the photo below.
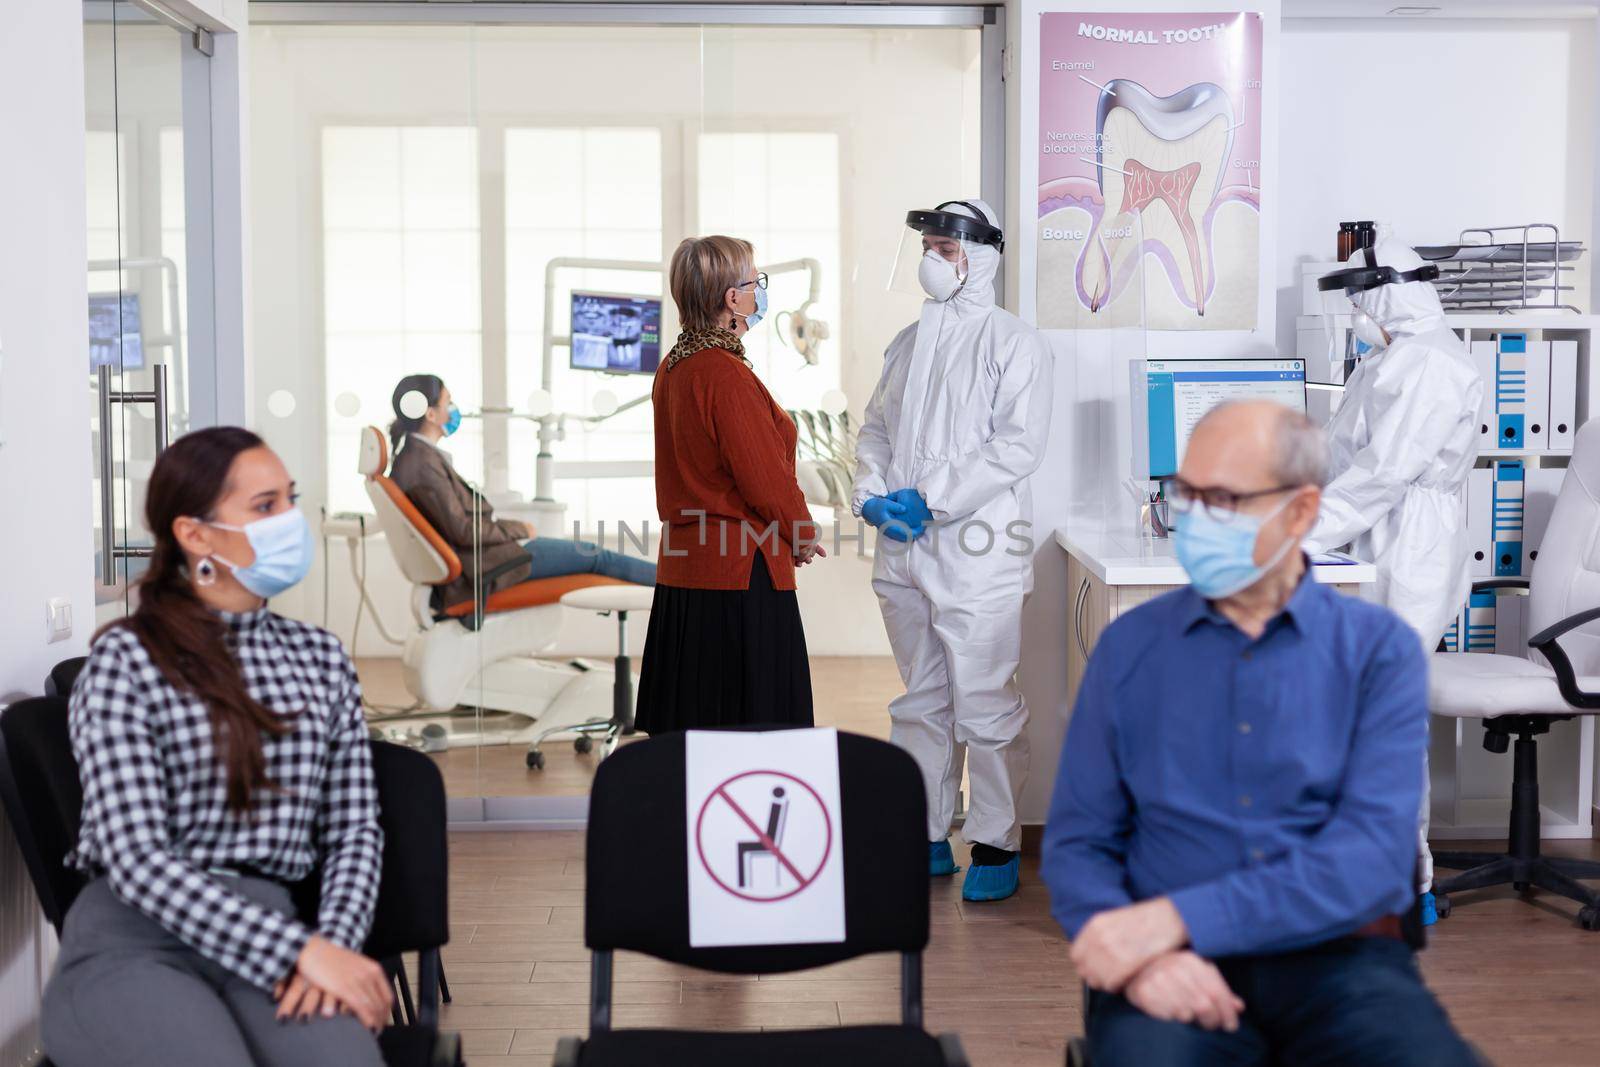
point(62, 675)
point(40, 791)
point(886, 910)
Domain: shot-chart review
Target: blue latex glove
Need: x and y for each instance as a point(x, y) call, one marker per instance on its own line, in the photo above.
point(880, 509)
point(916, 508)
point(889, 516)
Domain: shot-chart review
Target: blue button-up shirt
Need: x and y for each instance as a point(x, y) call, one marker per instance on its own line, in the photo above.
point(1268, 787)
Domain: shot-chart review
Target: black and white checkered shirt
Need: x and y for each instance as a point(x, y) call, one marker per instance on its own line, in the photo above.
point(155, 815)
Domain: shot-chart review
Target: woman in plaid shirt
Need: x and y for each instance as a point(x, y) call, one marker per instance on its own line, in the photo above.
point(223, 755)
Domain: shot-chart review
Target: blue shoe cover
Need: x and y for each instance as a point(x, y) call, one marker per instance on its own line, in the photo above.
point(941, 860)
point(1430, 914)
point(992, 883)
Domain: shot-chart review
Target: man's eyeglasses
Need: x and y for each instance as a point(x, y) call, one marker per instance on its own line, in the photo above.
point(759, 281)
point(1221, 504)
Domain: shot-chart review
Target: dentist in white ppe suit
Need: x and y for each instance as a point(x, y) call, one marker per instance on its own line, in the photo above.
point(956, 425)
point(1402, 443)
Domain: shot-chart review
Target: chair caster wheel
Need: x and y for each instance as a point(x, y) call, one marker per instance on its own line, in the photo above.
point(1441, 906)
point(1520, 887)
point(535, 760)
point(583, 745)
point(1589, 918)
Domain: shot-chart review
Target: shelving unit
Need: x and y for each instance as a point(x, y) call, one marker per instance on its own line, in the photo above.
point(1472, 787)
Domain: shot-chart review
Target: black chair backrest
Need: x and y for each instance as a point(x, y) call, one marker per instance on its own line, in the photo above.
point(63, 675)
point(413, 906)
point(43, 798)
point(637, 894)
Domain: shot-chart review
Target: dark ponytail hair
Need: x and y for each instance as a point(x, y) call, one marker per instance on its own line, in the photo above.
point(187, 641)
point(430, 386)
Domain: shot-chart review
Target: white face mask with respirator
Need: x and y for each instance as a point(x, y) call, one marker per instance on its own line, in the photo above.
point(1368, 330)
point(939, 277)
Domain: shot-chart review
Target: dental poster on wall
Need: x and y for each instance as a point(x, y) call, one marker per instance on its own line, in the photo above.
point(1149, 170)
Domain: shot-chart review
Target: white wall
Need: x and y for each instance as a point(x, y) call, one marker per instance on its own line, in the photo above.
point(45, 405)
point(1433, 125)
point(44, 418)
point(1088, 450)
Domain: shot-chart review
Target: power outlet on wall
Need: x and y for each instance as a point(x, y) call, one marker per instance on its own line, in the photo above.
point(58, 619)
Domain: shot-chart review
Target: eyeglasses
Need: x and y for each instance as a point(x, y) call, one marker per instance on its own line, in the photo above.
point(759, 281)
point(1221, 504)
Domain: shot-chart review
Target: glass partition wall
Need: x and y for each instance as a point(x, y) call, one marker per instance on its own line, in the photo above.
point(470, 202)
point(151, 351)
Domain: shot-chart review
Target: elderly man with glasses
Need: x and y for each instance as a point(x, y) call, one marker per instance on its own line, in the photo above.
point(1232, 836)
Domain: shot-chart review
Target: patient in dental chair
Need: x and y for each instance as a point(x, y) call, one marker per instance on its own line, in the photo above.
point(462, 516)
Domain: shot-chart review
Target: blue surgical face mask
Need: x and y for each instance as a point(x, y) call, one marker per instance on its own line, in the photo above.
point(1219, 557)
point(750, 321)
point(452, 421)
point(283, 545)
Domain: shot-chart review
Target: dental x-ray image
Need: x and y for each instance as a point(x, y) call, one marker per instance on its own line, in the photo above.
point(1150, 164)
point(616, 334)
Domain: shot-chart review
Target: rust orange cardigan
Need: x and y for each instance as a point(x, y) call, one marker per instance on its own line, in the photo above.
point(724, 450)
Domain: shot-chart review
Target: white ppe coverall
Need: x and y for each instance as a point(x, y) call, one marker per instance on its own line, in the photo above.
point(1401, 444)
point(961, 414)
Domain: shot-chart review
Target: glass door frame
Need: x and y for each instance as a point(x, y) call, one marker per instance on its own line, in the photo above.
point(571, 812)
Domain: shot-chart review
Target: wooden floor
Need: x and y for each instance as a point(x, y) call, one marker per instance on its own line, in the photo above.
point(851, 693)
point(1519, 979)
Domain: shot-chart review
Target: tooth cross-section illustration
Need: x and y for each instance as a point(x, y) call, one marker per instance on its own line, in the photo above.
point(1163, 157)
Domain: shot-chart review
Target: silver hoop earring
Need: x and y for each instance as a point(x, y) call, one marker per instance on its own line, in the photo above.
point(205, 573)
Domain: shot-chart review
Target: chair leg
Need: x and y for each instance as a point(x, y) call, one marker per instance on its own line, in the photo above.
point(1464, 861)
point(1547, 876)
point(1574, 868)
point(428, 987)
point(1496, 872)
point(404, 983)
point(444, 987)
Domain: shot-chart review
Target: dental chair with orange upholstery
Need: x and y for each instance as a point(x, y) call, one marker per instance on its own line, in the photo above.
point(485, 652)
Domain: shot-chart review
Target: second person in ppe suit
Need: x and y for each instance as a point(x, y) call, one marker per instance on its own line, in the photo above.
point(956, 425)
point(1402, 443)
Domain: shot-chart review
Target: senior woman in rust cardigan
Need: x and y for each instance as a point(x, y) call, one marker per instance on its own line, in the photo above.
point(725, 644)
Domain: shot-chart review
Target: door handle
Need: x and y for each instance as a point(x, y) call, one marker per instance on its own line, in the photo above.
point(108, 496)
point(110, 552)
point(1077, 618)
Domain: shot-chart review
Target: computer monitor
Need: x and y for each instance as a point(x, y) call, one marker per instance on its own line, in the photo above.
point(115, 338)
point(1170, 395)
point(615, 334)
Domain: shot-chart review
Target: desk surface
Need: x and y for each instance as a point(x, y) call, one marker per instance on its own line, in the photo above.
point(1125, 559)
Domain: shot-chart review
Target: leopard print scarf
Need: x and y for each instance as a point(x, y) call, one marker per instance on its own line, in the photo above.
point(692, 341)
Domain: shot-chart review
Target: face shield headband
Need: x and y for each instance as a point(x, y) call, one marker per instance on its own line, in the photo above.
point(1370, 276)
point(941, 223)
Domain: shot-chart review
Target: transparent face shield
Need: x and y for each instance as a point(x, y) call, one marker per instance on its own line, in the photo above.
point(935, 255)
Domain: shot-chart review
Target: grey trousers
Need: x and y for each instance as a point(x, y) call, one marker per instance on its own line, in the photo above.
point(127, 992)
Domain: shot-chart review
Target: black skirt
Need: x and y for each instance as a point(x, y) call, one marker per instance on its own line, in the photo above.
point(725, 657)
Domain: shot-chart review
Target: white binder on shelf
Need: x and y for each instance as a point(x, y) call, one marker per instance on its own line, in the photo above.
point(1563, 395)
point(1480, 508)
point(1483, 357)
point(1510, 388)
point(1537, 402)
point(1541, 485)
point(1506, 518)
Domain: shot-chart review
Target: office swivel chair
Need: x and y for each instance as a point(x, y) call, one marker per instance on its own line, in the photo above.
point(42, 797)
point(1516, 696)
point(883, 812)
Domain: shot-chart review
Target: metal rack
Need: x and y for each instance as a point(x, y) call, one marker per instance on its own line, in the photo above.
point(1503, 269)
